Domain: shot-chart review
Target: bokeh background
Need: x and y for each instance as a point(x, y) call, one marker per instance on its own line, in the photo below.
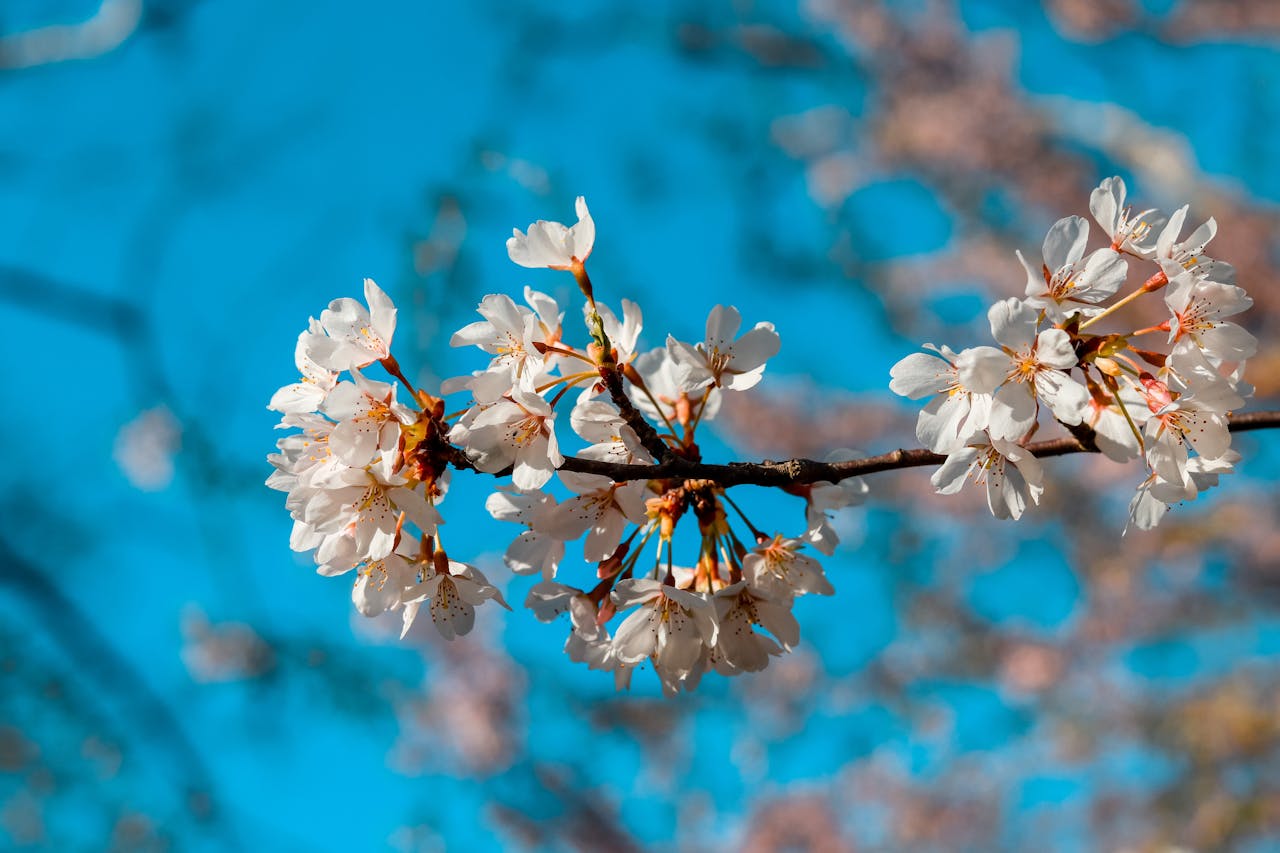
point(183, 183)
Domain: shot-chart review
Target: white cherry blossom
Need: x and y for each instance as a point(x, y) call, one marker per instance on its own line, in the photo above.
point(534, 551)
point(822, 498)
point(776, 569)
point(518, 431)
point(588, 641)
point(451, 597)
point(368, 419)
point(1179, 423)
point(366, 503)
point(1011, 475)
point(552, 245)
point(1199, 307)
point(739, 609)
point(723, 359)
point(611, 438)
point(961, 385)
point(1069, 282)
point(1134, 233)
point(1037, 370)
point(1155, 496)
point(509, 332)
point(357, 336)
point(668, 625)
point(601, 509)
point(676, 403)
point(1189, 253)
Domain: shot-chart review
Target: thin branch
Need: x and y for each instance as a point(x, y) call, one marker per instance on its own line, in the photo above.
point(795, 472)
point(648, 436)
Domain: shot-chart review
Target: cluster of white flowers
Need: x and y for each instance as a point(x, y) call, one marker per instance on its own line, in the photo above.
point(1166, 404)
point(360, 475)
point(367, 472)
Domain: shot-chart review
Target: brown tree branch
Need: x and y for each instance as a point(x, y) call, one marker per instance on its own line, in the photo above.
point(795, 472)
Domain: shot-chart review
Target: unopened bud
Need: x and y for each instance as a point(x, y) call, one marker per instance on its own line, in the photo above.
point(1107, 366)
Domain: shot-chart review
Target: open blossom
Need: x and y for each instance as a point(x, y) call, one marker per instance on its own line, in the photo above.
point(368, 419)
point(317, 381)
point(1199, 307)
point(670, 626)
point(725, 360)
point(739, 610)
point(451, 596)
point(534, 551)
point(356, 336)
point(510, 333)
point(1037, 368)
point(960, 384)
point(1134, 233)
point(1187, 253)
point(776, 569)
point(1069, 282)
point(519, 431)
point(1011, 475)
point(1178, 423)
point(365, 503)
point(601, 508)
point(552, 245)
point(822, 498)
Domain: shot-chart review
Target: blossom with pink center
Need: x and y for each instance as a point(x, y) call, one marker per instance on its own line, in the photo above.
point(1199, 307)
point(1069, 282)
point(552, 245)
point(776, 569)
point(1011, 475)
point(1179, 423)
point(1133, 233)
point(663, 378)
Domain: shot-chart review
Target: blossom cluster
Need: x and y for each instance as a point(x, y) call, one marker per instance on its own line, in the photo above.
point(367, 472)
point(1160, 392)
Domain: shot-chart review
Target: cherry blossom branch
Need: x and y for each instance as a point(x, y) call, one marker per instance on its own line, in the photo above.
point(795, 472)
point(648, 436)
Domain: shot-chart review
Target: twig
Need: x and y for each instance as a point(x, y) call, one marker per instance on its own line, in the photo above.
point(794, 472)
